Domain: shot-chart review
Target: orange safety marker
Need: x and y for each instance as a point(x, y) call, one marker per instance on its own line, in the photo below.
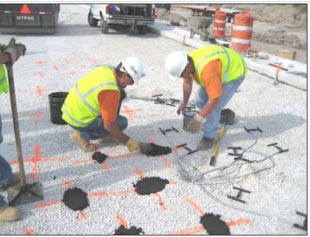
point(25, 9)
point(122, 221)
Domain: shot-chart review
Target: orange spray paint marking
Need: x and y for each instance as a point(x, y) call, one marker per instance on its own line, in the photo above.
point(139, 172)
point(98, 194)
point(39, 90)
point(151, 140)
point(130, 113)
point(36, 160)
point(41, 74)
point(38, 116)
point(29, 231)
point(82, 215)
point(55, 68)
point(161, 201)
point(189, 231)
point(106, 167)
point(195, 206)
point(167, 163)
point(239, 221)
point(40, 62)
point(77, 162)
point(45, 205)
point(68, 184)
point(122, 221)
point(123, 192)
point(127, 155)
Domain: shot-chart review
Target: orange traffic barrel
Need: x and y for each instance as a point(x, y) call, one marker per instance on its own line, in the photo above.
point(242, 32)
point(219, 24)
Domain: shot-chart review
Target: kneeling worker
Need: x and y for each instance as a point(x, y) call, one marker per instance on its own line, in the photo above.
point(93, 103)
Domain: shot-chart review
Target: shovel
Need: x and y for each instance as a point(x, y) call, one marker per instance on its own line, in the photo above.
point(20, 193)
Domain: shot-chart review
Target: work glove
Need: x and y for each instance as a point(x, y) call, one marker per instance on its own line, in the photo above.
point(132, 145)
point(15, 50)
point(195, 123)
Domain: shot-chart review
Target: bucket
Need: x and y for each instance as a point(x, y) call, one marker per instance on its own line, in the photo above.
point(56, 101)
point(187, 116)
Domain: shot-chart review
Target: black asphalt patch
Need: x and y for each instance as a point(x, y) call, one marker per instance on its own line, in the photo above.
point(132, 231)
point(214, 225)
point(149, 185)
point(99, 157)
point(75, 199)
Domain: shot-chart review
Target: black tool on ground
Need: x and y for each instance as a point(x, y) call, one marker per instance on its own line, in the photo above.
point(237, 198)
point(248, 130)
point(235, 153)
point(151, 149)
point(20, 193)
point(305, 224)
point(227, 117)
point(168, 130)
point(279, 148)
point(99, 157)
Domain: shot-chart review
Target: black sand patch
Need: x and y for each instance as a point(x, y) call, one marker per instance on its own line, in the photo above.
point(214, 225)
point(99, 157)
point(75, 199)
point(151, 149)
point(132, 231)
point(149, 185)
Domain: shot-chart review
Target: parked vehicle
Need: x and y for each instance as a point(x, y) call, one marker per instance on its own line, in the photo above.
point(29, 18)
point(126, 15)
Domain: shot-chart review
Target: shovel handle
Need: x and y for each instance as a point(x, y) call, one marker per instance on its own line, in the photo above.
point(217, 146)
point(9, 68)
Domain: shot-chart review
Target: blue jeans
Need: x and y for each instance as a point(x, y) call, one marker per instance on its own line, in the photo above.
point(6, 175)
point(96, 129)
point(212, 120)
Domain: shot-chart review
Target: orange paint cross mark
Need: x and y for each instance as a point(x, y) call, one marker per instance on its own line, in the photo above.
point(123, 192)
point(130, 113)
point(68, 184)
point(166, 162)
point(82, 215)
point(44, 205)
point(122, 221)
point(161, 201)
point(38, 116)
point(39, 90)
point(238, 222)
point(195, 206)
point(139, 172)
point(98, 194)
point(105, 167)
point(55, 68)
point(40, 62)
point(41, 74)
point(29, 231)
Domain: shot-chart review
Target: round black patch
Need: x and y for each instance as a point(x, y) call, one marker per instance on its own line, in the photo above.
point(149, 185)
point(132, 231)
point(214, 225)
point(75, 199)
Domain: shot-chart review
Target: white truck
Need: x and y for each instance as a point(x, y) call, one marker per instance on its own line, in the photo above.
point(126, 15)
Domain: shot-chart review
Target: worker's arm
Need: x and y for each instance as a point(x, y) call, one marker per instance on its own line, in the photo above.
point(109, 103)
point(187, 90)
point(209, 107)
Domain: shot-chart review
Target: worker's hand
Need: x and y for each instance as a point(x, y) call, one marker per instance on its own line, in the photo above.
point(195, 123)
point(15, 50)
point(181, 108)
point(132, 145)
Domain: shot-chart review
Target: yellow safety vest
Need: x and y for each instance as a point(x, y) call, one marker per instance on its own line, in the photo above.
point(233, 65)
point(81, 106)
point(4, 86)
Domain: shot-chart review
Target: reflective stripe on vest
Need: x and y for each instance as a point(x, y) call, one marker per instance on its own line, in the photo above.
point(233, 66)
point(4, 86)
point(81, 106)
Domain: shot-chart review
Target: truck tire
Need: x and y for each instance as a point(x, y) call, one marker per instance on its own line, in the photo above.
point(141, 29)
point(91, 20)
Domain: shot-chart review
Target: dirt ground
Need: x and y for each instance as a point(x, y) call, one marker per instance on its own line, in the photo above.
point(275, 27)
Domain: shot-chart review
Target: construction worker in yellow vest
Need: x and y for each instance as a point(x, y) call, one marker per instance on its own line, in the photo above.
point(219, 72)
point(92, 105)
point(8, 54)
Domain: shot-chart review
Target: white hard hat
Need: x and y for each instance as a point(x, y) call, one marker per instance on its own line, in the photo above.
point(133, 67)
point(176, 63)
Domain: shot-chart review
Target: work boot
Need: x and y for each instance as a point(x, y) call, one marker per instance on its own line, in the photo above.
point(108, 139)
point(85, 145)
point(13, 181)
point(206, 143)
point(9, 214)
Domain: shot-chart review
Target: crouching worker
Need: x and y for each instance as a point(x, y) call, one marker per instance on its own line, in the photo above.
point(92, 105)
point(219, 72)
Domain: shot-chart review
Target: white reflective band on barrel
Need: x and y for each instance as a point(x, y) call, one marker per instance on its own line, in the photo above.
point(83, 97)
point(219, 21)
point(73, 119)
point(219, 29)
point(240, 41)
point(244, 28)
